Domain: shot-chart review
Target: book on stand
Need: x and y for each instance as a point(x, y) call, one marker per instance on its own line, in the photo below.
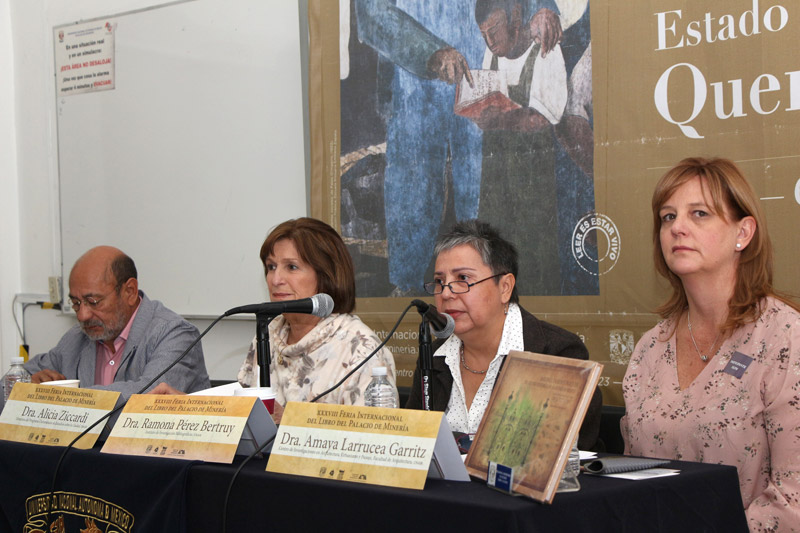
point(532, 420)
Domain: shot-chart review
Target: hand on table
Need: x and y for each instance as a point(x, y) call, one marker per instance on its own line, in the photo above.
point(164, 388)
point(47, 374)
point(278, 414)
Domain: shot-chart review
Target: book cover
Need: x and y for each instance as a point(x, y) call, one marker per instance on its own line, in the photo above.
point(532, 419)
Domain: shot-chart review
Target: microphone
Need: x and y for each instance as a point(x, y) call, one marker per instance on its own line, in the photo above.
point(442, 324)
point(318, 305)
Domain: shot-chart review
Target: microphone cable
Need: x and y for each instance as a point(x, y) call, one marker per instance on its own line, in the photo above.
point(267, 443)
point(367, 358)
point(117, 409)
point(236, 475)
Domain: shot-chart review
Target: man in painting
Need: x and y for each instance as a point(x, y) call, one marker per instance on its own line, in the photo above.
point(429, 43)
point(518, 154)
point(431, 47)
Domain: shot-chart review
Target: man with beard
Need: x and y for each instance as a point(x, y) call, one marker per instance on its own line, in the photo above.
point(122, 339)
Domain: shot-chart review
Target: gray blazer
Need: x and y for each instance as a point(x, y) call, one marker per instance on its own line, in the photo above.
point(157, 337)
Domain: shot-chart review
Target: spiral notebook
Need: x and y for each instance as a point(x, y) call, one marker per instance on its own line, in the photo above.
point(619, 464)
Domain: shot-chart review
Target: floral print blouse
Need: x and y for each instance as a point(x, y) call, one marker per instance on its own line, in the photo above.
point(751, 422)
point(299, 372)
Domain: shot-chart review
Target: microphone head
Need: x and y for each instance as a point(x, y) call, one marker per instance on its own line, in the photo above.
point(448, 328)
point(323, 305)
point(420, 305)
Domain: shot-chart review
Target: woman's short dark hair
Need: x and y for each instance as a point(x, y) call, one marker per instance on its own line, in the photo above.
point(496, 252)
point(320, 246)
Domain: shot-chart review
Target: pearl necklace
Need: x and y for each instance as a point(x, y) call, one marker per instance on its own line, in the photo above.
point(464, 363)
point(703, 358)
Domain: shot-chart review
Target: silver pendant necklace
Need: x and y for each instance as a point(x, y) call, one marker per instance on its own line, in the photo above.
point(464, 363)
point(703, 358)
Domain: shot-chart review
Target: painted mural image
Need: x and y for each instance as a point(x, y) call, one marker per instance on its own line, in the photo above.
point(425, 112)
point(462, 109)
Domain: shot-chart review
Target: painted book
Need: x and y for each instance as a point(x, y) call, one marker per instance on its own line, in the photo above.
point(490, 89)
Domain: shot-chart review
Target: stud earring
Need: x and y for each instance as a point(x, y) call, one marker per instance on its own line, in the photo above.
point(738, 245)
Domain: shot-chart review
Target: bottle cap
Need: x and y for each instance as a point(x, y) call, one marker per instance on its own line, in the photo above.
point(17, 360)
point(379, 371)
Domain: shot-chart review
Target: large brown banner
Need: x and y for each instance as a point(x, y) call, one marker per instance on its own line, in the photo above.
point(632, 88)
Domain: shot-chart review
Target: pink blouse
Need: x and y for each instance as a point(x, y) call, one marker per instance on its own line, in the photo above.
point(749, 419)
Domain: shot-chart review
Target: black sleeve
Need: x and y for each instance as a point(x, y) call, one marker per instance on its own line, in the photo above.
point(415, 396)
point(590, 429)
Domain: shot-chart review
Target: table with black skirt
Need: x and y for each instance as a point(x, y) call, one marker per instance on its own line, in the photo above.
point(701, 498)
point(163, 494)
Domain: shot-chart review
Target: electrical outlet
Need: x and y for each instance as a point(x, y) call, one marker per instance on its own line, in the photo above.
point(54, 286)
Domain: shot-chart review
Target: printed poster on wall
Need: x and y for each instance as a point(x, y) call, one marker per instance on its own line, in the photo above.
point(84, 55)
point(561, 153)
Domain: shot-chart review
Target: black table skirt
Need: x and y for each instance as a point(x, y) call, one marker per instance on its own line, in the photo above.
point(173, 495)
point(701, 498)
point(149, 494)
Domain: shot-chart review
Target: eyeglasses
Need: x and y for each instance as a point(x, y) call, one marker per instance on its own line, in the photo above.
point(90, 302)
point(456, 287)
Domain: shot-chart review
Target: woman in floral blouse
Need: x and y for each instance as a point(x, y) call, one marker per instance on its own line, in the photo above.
point(718, 379)
point(309, 354)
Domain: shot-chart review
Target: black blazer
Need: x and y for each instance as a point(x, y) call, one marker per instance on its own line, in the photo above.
point(538, 336)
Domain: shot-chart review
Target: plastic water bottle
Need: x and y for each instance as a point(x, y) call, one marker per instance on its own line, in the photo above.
point(379, 392)
point(569, 479)
point(16, 373)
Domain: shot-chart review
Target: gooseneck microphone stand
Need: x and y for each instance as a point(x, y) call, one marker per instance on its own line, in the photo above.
point(262, 346)
point(267, 443)
point(425, 362)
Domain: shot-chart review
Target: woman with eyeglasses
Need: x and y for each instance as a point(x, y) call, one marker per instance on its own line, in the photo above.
point(475, 283)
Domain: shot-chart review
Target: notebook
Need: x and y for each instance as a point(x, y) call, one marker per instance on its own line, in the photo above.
point(618, 464)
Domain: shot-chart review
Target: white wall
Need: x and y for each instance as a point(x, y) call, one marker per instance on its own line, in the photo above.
point(30, 250)
point(9, 193)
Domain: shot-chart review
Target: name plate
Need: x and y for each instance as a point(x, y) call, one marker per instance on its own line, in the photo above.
point(207, 428)
point(380, 446)
point(54, 416)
